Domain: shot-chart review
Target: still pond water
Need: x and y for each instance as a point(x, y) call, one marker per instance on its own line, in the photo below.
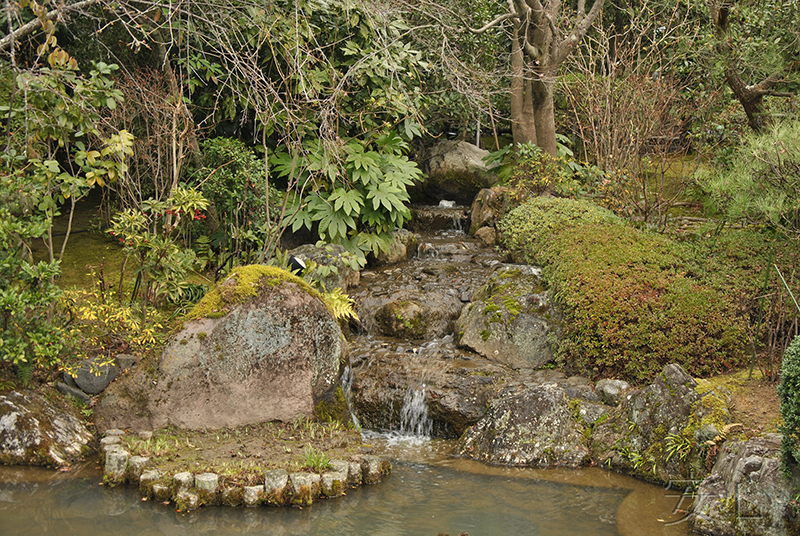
point(428, 493)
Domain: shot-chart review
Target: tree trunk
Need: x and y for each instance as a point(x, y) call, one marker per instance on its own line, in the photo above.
point(751, 99)
point(544, 114)
point(523, 127)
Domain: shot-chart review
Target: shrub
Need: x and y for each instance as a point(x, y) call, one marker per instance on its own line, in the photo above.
point(788, 391)
point(630, 306)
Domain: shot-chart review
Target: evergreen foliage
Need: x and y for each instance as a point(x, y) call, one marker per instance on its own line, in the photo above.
point(762, 181)
point(789, 394)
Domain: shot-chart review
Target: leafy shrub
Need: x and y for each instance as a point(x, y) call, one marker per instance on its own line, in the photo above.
point(360, 197)
point(631, 308)
point(531, 171)
point(790, 403)
point(102, 327)
point(537, 171)
point(762, 181)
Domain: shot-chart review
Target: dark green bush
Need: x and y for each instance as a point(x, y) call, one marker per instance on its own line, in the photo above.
point(789, 394)
point(630, 305)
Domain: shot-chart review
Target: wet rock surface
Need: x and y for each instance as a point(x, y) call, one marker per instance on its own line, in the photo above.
point(33, 431)
point(453, 387)
point(511, 319)
point(747, 493)
point(403, 247)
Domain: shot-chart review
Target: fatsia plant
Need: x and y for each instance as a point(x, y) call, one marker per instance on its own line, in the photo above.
point(359, 197)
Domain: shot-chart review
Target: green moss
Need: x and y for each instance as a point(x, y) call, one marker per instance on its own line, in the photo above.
point(485, 334)
point(513, 306)
point(490, 308)
point(304, 496)
point(243, 284)
point(506, 274)
point(335, 410)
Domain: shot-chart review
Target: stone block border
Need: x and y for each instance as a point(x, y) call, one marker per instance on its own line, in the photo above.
point(189, 491)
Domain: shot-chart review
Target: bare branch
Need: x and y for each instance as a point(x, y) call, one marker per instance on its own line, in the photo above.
point(27, 29)
point(495, 22)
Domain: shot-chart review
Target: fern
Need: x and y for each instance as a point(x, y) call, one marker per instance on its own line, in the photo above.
point(25, 372)
point(340, 305)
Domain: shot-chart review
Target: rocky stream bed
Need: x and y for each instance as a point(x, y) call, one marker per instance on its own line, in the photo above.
point(452, 342)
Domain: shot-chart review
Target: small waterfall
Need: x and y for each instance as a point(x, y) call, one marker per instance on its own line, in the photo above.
point(457, 222)
point(414, 419)
point(347, 385)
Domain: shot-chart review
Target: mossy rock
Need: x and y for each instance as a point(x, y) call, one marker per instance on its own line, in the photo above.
point(511, 319)
point(261, 346)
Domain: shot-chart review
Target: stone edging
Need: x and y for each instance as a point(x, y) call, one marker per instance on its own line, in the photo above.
point(281, 488)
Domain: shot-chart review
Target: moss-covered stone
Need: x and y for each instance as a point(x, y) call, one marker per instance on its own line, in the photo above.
point(334, 410)
point(242, 284)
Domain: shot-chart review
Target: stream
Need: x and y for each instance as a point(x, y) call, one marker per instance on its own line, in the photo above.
point(429, 491)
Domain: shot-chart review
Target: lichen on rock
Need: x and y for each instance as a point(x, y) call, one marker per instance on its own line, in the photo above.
point(261, 346)
point(659, 432)
point(528, 426)
point(34, 431)
point(511, 319)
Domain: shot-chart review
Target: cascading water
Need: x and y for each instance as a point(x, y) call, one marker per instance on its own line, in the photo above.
point(347, 385)
point(414, 419)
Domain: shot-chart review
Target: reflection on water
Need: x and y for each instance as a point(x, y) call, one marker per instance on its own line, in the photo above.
point(418, 499)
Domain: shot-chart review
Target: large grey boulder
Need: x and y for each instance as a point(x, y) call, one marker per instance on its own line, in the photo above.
point(511, 319)
point(527, 425)
point(660, 432)
point(455, 171)
point(33, 431)
point(260, 347)
point(747, 492)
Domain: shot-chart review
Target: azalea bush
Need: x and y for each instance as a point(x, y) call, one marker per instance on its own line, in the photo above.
point(630, 305)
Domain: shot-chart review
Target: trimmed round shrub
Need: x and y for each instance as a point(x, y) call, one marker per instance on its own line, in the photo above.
point(789, 394)
point(630, 305)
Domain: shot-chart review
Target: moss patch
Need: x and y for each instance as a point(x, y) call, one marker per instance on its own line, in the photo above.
point(244, 284)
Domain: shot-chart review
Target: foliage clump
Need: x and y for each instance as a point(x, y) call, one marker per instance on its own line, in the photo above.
point(631, 306)
point(762, 180)
point(788, 391)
